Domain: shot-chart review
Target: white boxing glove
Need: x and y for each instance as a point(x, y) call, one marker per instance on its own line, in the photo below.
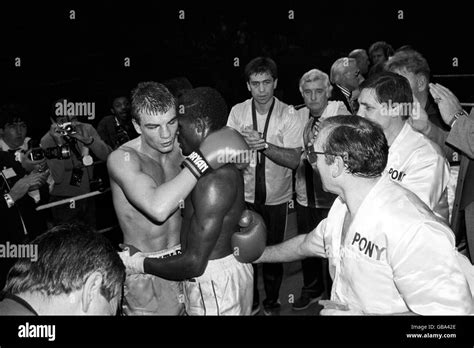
point(134, 263)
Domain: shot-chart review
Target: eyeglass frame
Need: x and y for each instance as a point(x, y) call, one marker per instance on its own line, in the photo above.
point(309, 152)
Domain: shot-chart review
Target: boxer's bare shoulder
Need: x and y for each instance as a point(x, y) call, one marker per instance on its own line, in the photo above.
point(220, 196)
point(133, 178)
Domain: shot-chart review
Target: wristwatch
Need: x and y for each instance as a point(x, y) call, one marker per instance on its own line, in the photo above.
point(456, 116)
point(9, 200)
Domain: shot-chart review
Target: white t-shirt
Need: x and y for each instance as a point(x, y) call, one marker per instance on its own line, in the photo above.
point(396, 256)
point(419, 165)
point(284, 130)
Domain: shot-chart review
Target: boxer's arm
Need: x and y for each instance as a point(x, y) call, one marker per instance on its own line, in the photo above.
point(158, 202)
point(212, 199)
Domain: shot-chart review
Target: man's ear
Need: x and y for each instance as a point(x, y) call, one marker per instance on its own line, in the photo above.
point(338, 167)
point(248, 87)
point(136, 126)
point(275, 83)
point(91, 290)
point(421, 82)
point(199, 125)
point(112, 111)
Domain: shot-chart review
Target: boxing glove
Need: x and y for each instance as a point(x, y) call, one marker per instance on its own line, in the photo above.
point(249, 242)
point(218, 148)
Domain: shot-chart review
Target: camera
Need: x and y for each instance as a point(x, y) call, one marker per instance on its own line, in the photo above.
point(67, 128)
point(122, 136)
point(59, 152)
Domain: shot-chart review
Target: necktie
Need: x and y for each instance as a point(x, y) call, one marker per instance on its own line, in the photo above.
point(308, 171)
point(260, 187)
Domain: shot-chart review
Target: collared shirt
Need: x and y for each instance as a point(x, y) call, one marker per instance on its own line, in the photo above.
point(322, 199)
point(284, 130)
point(396, 256)
point(419, 165)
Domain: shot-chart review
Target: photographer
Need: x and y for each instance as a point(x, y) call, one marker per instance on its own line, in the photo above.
point(70, 165)
point(117, 129)
point(20, 221)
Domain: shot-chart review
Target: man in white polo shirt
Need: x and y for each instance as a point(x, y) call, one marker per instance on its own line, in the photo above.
point(312, 202)
point(274, 134)
point(414, 161)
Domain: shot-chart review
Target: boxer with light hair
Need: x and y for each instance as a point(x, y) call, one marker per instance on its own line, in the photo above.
point(150, 179)
point(214, 282)
point(388, 253)
point(312, 202)
point(345, 77)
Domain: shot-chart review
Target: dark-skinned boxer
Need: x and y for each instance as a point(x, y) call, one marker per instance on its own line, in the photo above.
point(148, 186)
point(215, 283)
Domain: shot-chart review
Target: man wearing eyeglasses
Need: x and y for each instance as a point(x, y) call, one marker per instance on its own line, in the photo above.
point(378, 235)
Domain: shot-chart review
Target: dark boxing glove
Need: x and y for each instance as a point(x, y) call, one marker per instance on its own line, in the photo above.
point(219, 148)
point(249, 242)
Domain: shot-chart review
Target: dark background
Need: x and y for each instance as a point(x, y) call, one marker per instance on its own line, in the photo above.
point(83, 59)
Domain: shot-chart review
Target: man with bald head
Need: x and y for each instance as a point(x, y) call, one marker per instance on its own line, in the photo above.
point(345, 77)
point(362, 60)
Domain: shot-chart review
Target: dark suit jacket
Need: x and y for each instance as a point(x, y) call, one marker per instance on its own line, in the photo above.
point(337, 94)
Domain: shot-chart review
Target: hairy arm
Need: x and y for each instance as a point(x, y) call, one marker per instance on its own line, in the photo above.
point(212, 199)
point(158, 202)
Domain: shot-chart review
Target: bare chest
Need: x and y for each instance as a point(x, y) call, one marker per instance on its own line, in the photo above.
point(160, 172)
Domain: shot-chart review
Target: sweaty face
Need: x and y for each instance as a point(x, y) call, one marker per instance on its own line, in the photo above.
point(121, 107)
point(370, 108)
point(14, 134)
point(262, 86)
point(378, 56)
point(158, 130)
point(315, 96)
point(188, 137)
